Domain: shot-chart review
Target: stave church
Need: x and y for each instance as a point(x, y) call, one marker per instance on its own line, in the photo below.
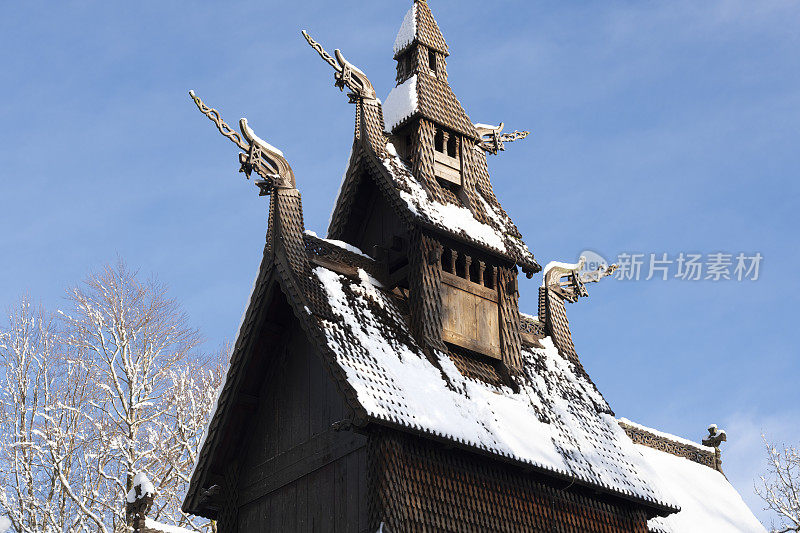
point(384, 378)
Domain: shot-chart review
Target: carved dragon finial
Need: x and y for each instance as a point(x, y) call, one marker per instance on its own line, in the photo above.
point(493, 141)
point(567, 280)
point(259, 157)
point(715, 436)
point(347, 74)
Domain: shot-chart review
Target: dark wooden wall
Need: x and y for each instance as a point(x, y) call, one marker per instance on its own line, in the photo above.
point(423, 486)
point(297, 473)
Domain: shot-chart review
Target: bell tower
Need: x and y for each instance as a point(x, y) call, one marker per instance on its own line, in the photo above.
point(417, 197)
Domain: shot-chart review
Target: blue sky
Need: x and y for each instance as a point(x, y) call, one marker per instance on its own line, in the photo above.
point(658, 127)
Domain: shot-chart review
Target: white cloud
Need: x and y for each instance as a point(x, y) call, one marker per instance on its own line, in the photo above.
point(5, 524)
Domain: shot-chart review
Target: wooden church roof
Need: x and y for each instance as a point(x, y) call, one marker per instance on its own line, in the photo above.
point(555, 422)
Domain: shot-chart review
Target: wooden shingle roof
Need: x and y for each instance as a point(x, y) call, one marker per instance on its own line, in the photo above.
point(419, 26)
point(554, 420)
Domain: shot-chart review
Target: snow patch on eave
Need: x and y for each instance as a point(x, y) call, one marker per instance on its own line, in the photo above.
point(401, 103)
point(407, 32)
point(339, 244)
point(532, 318)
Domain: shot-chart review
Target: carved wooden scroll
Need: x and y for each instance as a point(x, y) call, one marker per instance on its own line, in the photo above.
point(259, 157)
point(493, 141)
point(346, 74)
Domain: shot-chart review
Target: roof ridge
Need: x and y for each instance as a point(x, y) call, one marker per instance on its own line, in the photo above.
point(663, 434)
point(671, 444)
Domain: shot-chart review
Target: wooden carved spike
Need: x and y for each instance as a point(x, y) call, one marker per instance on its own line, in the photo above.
point(346, 74)
point(493, 141)
point(567, 281)
point(214, 116)
point(259, 157)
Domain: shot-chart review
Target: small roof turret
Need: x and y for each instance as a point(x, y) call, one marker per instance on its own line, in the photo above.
point(419, 26)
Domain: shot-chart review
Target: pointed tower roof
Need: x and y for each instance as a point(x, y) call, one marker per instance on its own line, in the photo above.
point(419, 26)
point(429, 97)
point(424, 91)
point(471, 215)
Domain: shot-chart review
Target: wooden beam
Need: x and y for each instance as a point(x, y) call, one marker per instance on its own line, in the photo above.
point(300, 461)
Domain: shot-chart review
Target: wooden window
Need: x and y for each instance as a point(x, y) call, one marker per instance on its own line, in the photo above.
point(447, 156)
point(432, 60)
point(470, 310)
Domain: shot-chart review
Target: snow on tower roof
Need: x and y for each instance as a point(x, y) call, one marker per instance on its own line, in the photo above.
point(401, 104)
point(408, 30)
point(501, 235)
point(419, 26)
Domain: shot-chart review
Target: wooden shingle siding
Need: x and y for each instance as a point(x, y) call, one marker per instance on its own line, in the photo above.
point(423, 486)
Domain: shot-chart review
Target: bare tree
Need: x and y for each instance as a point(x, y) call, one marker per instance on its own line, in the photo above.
point(27, 359)
point(780, 487)
point(112, 389)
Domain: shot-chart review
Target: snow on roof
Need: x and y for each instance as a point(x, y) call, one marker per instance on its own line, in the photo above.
point(504, 221)
point(708, 501)
point(147, 488)
point(339, 244)
point(164, 528)
point(401, 103)
point(557, 421)
point(452, 217)
point(668, 436)
point(408, 30)
point(532, 318)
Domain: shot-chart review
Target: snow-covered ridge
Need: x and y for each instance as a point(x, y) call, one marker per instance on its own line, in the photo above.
point(667, 436)
point(408, 30)
point(252, 135)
